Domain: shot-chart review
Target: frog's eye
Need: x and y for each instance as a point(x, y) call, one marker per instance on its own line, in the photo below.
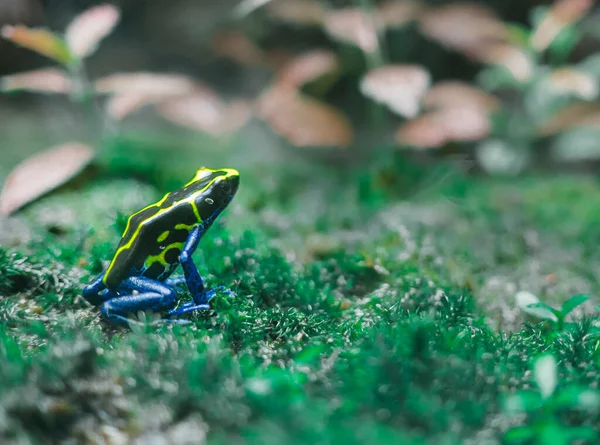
point(209, 201)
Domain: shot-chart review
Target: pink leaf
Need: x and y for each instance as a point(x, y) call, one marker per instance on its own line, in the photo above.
point(514, 59)
point(434, 129)
point(303, 121)
point(399, 87)
point(86, 31)
point(45, 81)
point(562, 14)
point(307, 67)
point(572, 116)
point(146, 83)
point(42, 173)
point(453, 93)
point(568, 80)
point(355, 26)
point(205, 112)
point(464, 27)
point(121, 105)
point(395, 14)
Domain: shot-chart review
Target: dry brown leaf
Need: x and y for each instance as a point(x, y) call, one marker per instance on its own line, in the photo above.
point(572, 116)
point(304, 121)
point(42, 173)
point(395, 14)
point(465, 27)
point(85, 32)
point(434, 129)
point(454, 93)
point(400, 87)
point(49, 80)
point(355, 26)
point(568, 80)
point(41, 41)
point(146, 83)
point(561, 14)
point(303, 12)
point(206, 113)
point(307, 67)
point(235, 46)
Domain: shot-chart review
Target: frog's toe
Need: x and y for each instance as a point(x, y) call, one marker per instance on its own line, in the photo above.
point(188, 308)
point(95, 292)
point(175, 281)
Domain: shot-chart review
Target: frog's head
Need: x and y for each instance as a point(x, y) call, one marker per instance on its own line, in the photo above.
point(219, 188)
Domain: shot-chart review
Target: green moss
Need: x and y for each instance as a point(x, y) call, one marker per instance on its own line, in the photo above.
point(396, 330)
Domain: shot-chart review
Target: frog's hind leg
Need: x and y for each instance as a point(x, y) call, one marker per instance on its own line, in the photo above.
point(153, 295)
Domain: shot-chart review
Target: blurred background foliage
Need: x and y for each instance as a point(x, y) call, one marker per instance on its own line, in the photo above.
point(508, 84)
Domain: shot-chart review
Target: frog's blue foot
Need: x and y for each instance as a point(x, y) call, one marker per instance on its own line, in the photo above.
point(193, 306)
point(153, 296)
point(96, 292)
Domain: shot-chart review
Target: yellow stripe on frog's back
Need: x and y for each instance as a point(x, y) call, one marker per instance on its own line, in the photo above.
point(131, 240)
point(127, 242)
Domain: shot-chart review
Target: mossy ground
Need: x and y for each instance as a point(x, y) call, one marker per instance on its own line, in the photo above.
point(373, 306)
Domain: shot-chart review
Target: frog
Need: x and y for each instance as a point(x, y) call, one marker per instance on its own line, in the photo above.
point(156, 241)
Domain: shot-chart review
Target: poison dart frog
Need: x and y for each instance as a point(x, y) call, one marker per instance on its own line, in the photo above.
point(156, 240)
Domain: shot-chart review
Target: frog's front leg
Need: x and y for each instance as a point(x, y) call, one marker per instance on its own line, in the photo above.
point(152, 295)
point(193, 279)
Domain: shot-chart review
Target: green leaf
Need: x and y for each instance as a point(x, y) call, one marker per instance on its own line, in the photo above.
point(563, 44)
point(586, 433)
point(542, 311)
point(525, 298)
point(519, 434)
point(553, 434)
point(573, 302)
point(495, 78)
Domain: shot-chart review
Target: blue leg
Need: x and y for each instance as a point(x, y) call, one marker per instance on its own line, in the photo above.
point(192, 306)
point(96, 292)
point(193, 279)
point(153, 295)
point(175, 281)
